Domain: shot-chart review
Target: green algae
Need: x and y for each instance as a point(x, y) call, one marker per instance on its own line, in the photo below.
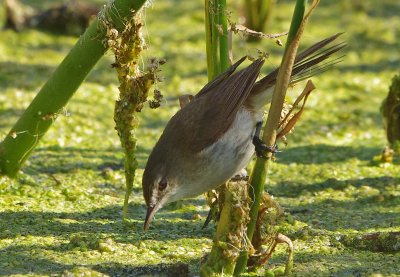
point(70, 193)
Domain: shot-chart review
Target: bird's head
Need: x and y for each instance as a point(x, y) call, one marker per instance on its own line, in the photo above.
point(158, 190)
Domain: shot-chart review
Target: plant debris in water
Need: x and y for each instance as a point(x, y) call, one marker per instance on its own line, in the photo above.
point(230, 236)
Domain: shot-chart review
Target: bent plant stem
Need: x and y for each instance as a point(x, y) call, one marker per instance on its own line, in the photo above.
point(134, 87)
point(259, 173)
point(127, 47)
point(60, 87)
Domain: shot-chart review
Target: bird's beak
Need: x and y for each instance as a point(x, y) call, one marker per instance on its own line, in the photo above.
point(150, 215)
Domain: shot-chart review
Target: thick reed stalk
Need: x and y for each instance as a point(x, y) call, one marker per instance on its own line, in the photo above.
point(54, 95)
point(228, 236)
point(212, 39)
point(217, 43)
point(223, 35)
point(259, 173)
point(209, 39)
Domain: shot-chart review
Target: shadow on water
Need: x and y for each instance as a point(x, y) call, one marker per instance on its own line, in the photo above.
point(369, 207)
point(64, 224)
point(8, 117)
point(24, 262)
point(57, 159)
point(295, 189)
point(160, 270)
point(23, 76)
point(27, 263)
point(99, 223)
point(360, 215)
point(345, 263)
point(323, 153)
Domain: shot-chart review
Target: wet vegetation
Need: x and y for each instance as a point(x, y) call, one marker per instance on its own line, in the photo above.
point(63, 213)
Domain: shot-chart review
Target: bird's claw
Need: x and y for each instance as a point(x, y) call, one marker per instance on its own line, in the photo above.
point(262, 149)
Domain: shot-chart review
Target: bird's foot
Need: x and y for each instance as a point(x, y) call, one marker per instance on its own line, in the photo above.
point(262, 149)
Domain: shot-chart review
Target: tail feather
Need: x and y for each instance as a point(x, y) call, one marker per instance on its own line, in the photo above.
point(314, 48)
point(310, 66)
point(307, 64)
point(315, 70)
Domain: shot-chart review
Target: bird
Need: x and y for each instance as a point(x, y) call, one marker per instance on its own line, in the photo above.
point(216, 134)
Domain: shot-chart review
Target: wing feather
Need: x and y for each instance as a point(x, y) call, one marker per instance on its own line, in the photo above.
point(221, 104)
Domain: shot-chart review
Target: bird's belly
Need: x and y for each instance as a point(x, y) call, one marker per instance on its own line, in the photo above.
point(230, 154)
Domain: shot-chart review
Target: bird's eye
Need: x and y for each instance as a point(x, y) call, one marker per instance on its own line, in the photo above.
point(162, 185)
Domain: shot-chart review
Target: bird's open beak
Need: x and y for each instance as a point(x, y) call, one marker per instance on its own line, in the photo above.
point(150, 215)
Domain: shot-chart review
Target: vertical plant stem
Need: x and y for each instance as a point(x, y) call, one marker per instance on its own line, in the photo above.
point(297, 20)
point(227, 238)
point(209, 41)
point(259, 173)
point(217, 42)
point(54, 95)
point(267, 7)
point(255, 13)
point(258, 14)
point(214, 37)
point(223, 35)
point(248, 8)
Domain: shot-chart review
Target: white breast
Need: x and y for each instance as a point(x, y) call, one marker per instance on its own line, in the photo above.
point(233, 151)
point(220, 161)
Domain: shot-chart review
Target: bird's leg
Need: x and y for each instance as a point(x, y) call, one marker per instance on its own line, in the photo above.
point(213, 201)
point(212, 214)
point(260, 146)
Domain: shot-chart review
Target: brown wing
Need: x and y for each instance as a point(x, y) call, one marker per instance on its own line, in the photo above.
point(204, 119)
point(220, 78)
point(221, 102)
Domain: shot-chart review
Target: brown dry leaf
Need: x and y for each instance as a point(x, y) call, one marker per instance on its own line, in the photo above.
point(292, 121)
point(306, 91)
